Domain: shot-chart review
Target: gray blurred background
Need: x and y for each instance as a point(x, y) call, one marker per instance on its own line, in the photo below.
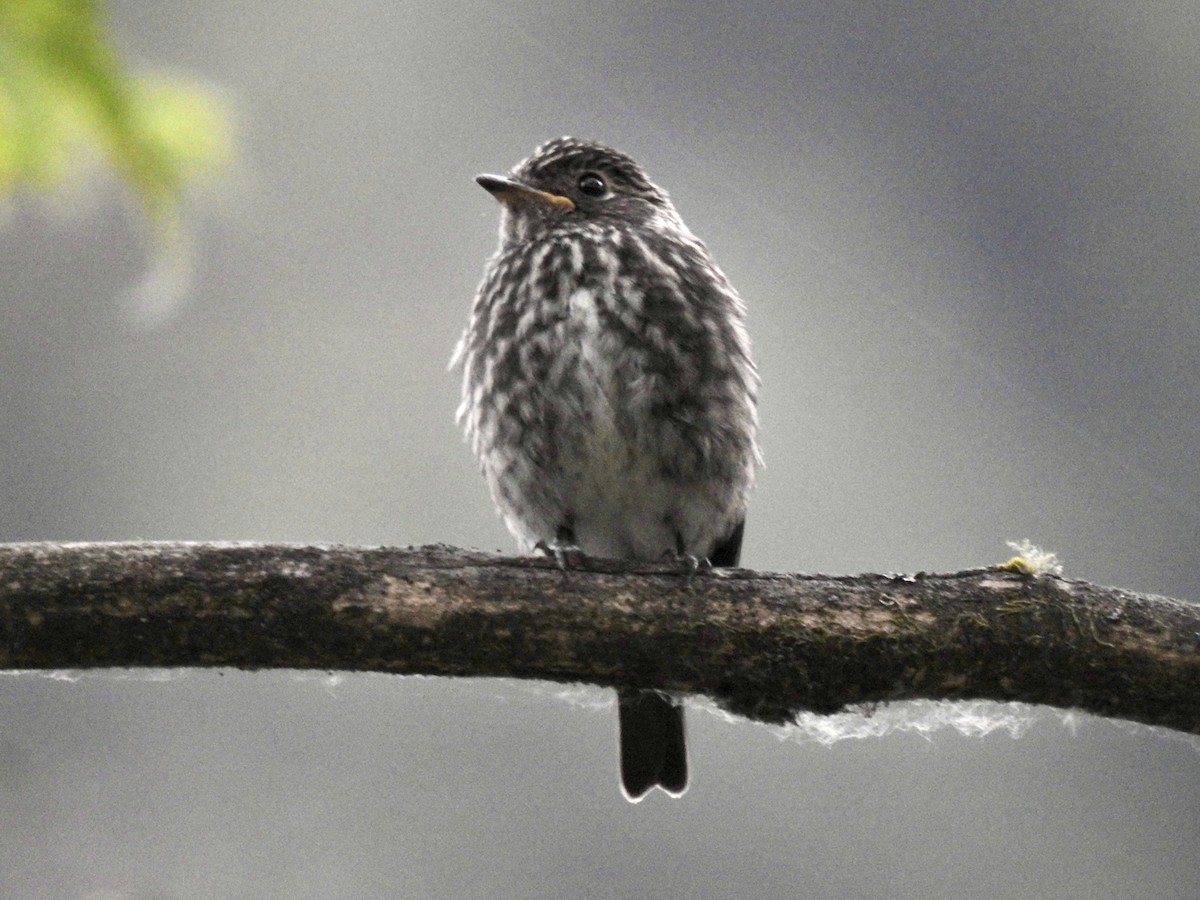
point(967, 237)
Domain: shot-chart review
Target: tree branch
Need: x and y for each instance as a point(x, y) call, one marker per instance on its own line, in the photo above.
point(762, 645)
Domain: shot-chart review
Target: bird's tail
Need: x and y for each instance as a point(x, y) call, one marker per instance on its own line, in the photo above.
point(652, 743)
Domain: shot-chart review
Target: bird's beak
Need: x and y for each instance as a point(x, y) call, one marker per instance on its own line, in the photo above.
point(513, 193)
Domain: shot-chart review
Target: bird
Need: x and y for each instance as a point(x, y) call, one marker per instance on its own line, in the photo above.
point(609, 392)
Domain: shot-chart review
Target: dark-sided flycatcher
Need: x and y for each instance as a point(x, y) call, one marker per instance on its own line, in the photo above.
point(609, 392)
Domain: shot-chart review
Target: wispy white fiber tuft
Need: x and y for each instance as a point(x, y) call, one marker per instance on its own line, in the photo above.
point(1032, 560)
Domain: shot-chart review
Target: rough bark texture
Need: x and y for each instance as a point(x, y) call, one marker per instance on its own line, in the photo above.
point(762, 645)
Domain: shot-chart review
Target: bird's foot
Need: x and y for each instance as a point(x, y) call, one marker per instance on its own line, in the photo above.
point(688, 563)
point(563, 548)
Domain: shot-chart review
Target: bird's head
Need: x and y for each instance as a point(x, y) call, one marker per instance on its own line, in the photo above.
point(569, 180)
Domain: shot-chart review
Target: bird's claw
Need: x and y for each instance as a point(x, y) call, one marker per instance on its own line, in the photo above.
point(565, 553)
point(688, 563)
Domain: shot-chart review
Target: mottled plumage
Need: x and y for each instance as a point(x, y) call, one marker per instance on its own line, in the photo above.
point(608, 388)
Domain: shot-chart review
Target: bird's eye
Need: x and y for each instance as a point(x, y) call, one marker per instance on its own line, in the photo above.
point(592, 184)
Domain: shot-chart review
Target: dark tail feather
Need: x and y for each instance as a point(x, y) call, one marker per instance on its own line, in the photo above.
point(652, 743)
point(729, 551)
point(653, 752)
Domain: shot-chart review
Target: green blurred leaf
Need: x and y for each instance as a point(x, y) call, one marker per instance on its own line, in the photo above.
point(65, 99)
